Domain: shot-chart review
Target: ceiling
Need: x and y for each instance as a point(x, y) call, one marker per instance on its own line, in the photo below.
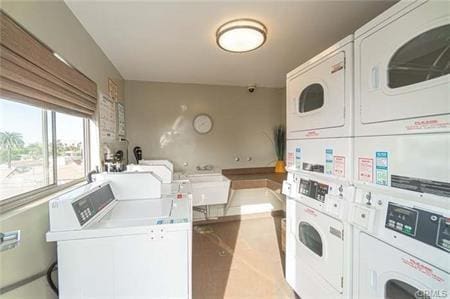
point(175, 41)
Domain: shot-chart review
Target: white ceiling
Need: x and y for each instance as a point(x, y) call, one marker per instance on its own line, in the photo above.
point(175, 41)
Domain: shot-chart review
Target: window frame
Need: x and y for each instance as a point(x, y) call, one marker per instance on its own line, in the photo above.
point(21, 199)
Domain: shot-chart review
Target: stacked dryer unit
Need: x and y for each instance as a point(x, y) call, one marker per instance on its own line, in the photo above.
point(402, 153)
point(318, 189)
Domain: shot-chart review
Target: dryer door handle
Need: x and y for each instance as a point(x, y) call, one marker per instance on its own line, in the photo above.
point(373, 279)
point(374, 78)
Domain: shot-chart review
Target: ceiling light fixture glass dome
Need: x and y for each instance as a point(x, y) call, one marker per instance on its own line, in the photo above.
point(241, 35)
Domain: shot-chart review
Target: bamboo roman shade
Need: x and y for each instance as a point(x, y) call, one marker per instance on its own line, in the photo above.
point(31, 73)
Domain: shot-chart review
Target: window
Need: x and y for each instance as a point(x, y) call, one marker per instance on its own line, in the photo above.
point(311, 98)
point(39, 149)
point(310, 237)
point(69, 147)
point(423, 58)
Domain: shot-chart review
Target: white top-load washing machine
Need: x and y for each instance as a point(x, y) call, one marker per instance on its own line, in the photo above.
point(319, 94)
point(162, 168)
point(401, 247)
point(115, 241)
point(318, 256)
point(402, 98)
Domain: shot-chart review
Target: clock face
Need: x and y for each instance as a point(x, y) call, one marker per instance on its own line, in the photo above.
point(203, 123)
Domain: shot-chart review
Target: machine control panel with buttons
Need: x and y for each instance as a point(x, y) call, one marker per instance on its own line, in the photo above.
point(313, 189)
point(88, 206)
point(430, 228)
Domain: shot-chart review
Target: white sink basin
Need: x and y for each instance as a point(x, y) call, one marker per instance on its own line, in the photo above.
point(209, 189)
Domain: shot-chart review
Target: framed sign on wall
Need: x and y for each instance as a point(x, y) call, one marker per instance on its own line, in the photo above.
point(120, 119)
point(113, 90)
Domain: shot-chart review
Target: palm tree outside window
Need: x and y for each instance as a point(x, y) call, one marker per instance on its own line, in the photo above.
point(39, 150)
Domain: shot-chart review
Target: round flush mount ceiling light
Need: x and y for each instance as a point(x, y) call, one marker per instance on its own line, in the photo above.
point(241, 35)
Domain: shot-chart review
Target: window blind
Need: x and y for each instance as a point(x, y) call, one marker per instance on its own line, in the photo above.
point(31, 73)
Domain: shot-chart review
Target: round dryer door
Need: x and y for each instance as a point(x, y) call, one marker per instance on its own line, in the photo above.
point(387, 272)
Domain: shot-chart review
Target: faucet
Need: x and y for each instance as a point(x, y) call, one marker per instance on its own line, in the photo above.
point(207, 167)
point(90, 174)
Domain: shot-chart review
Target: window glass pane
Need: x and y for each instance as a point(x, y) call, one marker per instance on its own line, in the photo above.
point(423, 58)
point(25, 159)
point(309, 236)
point(396, 289)
point(69, 147)
point(311, 98)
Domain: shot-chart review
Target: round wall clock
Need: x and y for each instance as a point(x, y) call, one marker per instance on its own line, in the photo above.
point(202, 123)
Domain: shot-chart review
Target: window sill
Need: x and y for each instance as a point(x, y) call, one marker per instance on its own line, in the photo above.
point(12, 210)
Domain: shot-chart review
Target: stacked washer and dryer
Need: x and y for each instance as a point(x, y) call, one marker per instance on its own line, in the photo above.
point(368, 161)
point(401, 214)
point(318, 188)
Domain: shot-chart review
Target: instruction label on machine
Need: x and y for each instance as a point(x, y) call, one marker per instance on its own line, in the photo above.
point(298, 158)
point(339, 166)
point(290, 159)
point(365, 169)
point(172, 221)
point(329, 161)
point(381, 168)
point(421, 185)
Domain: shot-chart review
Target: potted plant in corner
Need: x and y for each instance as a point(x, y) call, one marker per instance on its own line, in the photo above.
point(279, 135)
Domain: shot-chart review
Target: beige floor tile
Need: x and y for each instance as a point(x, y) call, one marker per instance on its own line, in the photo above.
point(240, 259)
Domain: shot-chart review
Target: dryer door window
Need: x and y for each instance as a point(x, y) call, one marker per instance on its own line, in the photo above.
point(396, 289)
point(310, 237)
point(311, 98)
point(423, 58)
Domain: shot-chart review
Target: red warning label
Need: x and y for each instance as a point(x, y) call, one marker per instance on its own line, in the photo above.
point(365, 169)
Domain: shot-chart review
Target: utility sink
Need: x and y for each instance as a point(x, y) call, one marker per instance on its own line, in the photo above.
point(209, 189)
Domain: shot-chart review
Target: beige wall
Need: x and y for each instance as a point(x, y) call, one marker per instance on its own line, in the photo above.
point(54, 24)
point(160, 115)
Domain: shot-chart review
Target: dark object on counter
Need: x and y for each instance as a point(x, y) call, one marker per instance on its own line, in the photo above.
point(119, 156)
point(137, 151)
point(90, 173)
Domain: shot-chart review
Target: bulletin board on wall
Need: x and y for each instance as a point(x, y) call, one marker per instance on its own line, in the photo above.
point(121, 131)
point(107, 119)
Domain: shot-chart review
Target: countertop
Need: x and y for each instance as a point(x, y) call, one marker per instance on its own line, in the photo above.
point(259, 177)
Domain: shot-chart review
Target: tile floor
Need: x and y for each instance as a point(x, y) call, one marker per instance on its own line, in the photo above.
point(239, 259)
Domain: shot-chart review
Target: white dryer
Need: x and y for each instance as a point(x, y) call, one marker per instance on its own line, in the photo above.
point(402, 98)
point(401, 247)
point(402, 70)
point(318, 263)
point(320, 93)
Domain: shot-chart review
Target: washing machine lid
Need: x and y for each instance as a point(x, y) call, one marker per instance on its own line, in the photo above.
point(136, 212)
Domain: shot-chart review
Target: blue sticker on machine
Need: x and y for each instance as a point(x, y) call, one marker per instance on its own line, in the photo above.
point(329, 161)
point(298, 158)
point(381, 168)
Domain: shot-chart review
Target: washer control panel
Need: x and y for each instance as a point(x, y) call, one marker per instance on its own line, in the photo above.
point(313, 189)
point(88, 206)
point(430, 228)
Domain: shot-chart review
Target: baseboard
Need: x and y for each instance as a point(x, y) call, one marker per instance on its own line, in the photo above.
point(277, 213)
